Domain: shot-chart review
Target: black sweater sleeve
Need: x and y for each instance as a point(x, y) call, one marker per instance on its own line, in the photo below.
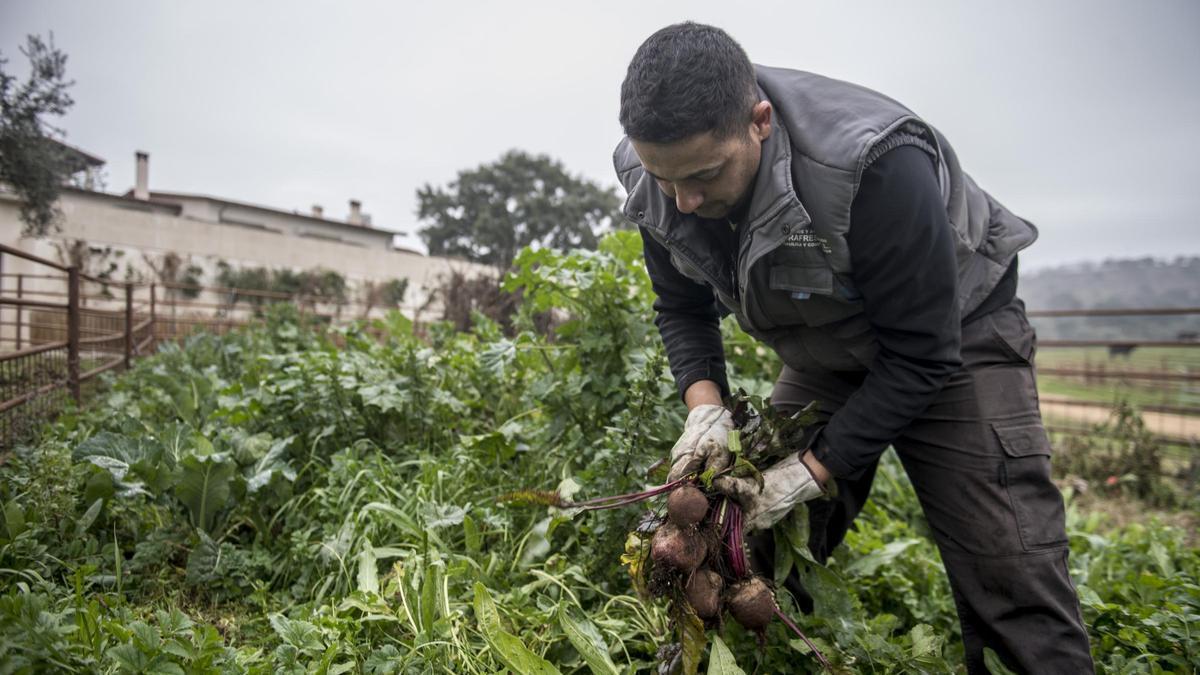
point(902, 252)
point(687, 318)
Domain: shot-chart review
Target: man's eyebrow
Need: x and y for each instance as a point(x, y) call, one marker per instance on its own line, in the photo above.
point(694, 174)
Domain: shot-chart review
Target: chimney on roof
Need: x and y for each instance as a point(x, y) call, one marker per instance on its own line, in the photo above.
point(355, 213)
point(318, 211)
point(141, 189)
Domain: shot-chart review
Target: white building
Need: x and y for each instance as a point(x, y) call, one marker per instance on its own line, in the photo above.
point(137, 230)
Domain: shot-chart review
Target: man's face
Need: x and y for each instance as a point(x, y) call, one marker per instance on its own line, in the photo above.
point(707, 175)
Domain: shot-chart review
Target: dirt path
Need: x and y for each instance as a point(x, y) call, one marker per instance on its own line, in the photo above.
point(1063, 409)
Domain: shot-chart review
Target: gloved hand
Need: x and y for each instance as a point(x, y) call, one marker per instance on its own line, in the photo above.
point(785, 484)
point(704, 443)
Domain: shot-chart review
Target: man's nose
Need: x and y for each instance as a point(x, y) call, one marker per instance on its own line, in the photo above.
point(688, 200)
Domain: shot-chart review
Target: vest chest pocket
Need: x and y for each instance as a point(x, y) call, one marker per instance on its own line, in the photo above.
point(805, 295)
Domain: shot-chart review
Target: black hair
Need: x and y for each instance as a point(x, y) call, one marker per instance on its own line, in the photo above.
point(686, 79)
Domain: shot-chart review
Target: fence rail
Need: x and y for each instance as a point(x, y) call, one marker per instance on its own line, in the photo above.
point(1129, 311)
point(1115, 374)
point(1082, 379)
point(60, 328)
point(1119, 344)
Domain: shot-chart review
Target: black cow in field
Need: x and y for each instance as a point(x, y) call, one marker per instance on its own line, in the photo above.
point(1120, 350)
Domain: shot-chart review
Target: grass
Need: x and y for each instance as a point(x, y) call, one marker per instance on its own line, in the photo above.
point(1142, 358)
point(1106, 385)
point(1111, 392)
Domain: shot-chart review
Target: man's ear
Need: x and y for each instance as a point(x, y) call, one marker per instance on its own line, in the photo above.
point(760, 120)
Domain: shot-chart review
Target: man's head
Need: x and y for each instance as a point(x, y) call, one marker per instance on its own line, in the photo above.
point(690, 105)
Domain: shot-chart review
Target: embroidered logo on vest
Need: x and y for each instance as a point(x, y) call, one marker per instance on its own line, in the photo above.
point(806, 238)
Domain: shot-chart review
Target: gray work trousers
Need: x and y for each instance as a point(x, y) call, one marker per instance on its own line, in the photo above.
point(979, 459)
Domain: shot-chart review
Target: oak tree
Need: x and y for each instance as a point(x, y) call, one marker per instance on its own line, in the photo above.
point(489, 213)
point(32, 164)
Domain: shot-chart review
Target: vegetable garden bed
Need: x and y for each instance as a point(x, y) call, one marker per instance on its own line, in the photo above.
point(266, 501)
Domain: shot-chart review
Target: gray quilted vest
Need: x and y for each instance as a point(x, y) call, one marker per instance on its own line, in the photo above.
point(794, 284)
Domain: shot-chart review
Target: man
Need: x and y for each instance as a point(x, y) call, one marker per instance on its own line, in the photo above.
point(839, 229)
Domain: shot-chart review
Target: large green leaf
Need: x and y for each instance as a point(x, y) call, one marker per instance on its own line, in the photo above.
point(175, 439)
point(438, 515)
point(123, 457)
point(925, 641)
point(272, 464)
point(204, 487)
point(13, 522)
point(390, 395)
point(519, 658)
point(301, 635)
point(429, 593)
point(85, 521)
point(368, 571)
point(871, 562)
point(485, 610)
point(203, 561)
point(589, 643)
point(498, 356)
point(691, 638)
point(721, 661)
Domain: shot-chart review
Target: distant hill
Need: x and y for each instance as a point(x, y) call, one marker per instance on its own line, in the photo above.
point(1134, 283)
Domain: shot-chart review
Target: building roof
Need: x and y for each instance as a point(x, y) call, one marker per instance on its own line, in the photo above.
point(157, 194)
point(75, 158)
point(126, 200)
point(79, 160)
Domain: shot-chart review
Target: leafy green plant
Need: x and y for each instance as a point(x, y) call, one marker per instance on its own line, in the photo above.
point(328, 501)
point(1121, 457)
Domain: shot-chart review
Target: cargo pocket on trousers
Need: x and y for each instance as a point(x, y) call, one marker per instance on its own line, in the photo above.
point(1036, 501)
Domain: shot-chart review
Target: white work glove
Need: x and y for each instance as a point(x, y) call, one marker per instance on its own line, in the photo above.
point(704, 443)
point(784, 485)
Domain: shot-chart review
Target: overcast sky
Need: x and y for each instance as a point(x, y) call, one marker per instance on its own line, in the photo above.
point(1083, 117)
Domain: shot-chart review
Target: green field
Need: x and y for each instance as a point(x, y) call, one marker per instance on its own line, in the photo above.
point(1142, 358)
point(1106, 385)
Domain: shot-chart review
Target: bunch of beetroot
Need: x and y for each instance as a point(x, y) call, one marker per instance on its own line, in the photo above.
point(697, 553)
point(698, 561)
point(694, 563)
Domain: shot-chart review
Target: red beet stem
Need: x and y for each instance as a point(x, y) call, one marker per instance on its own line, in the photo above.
point(735, 543)
point(796, 629)
point(617, 501)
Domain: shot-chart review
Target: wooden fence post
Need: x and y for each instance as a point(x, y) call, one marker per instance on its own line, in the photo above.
point(153, 321)
point(128, 325)
point(20, 292)
point(73, 333)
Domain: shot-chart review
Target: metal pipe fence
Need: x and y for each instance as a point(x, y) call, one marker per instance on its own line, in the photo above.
point(1082, 380)
point(61, 328)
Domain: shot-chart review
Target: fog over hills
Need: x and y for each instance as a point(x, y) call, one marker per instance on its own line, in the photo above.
point(1112, 284)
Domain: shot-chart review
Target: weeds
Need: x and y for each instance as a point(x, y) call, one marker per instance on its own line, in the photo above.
point(278, 501)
